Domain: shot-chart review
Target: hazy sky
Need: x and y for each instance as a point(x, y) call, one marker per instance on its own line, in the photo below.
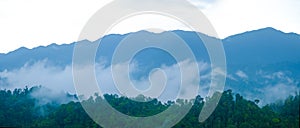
point(33, 23)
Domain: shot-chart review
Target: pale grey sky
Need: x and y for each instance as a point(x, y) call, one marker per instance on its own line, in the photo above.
point(32, 23)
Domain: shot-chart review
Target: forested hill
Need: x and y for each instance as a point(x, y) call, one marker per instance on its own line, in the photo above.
point(19, 109)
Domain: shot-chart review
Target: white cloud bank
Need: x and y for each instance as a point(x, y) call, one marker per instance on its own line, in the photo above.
point(60, 80)
point(279, 85)
point(54, 78)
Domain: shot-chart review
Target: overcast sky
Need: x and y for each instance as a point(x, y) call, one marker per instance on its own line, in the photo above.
point(31, 23)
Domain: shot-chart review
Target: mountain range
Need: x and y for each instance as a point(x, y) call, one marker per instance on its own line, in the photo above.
point(258, 62)
point(258, 47)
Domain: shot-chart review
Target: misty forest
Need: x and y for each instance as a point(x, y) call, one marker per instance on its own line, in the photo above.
point(20, 109)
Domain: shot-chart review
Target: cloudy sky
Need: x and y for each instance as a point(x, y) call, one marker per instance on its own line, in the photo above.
point(33, 23)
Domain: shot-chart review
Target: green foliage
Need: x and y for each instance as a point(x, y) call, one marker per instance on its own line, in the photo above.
point(19, 109)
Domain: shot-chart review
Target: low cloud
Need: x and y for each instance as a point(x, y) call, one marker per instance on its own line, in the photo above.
point(241, 74)
point(45, 95)
point(57, 80)
point(279, 85)
point(279, 91)
point(166, 79)
point(40, 73)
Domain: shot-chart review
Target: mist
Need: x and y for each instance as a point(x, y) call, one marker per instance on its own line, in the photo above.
point(57, 82)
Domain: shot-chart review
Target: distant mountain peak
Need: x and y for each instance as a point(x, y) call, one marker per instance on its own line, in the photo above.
point(21, 49)
point(268, 29)
point(263, 32)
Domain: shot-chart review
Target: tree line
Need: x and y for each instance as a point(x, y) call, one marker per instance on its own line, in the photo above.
point(19, 109)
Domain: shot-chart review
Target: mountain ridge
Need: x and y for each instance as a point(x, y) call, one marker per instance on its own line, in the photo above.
point(266, 28)
point(248, 41)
